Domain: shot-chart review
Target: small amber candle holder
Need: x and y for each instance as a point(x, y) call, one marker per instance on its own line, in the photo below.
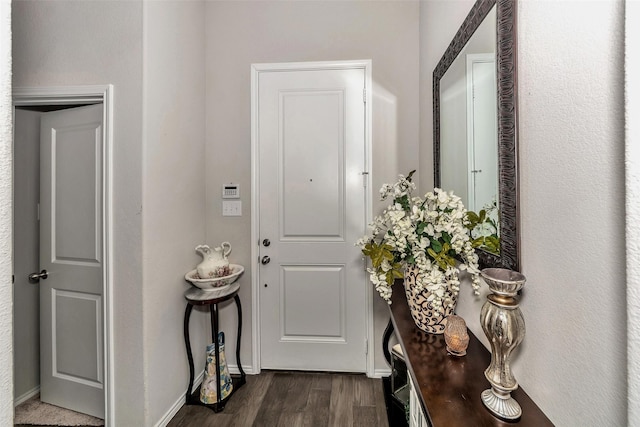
point(456, 335)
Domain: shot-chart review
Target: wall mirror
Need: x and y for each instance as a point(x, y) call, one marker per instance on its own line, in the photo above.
point(474, 113)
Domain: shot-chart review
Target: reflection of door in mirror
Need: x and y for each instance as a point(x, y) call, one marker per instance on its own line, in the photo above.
point(468, 120)
point(453, 132)
point(482, 131)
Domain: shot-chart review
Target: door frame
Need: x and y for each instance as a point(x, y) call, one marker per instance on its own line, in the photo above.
point(90, 94)
point(256, 69)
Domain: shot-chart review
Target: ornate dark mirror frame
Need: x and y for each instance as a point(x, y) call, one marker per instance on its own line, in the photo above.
point(509, 256)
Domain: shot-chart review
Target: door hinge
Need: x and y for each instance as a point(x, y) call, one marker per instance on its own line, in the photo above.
point(366, 346)
point(38, 207)
point(364, 95)
point(365, 176)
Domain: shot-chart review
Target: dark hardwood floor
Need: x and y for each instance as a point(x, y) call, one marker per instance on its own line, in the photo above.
point(279, 398)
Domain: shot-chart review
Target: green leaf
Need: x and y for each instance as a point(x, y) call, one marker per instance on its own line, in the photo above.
point(476, 243)
point(493, 244)
point(451, 261)
point(473, 217)
point(377, 253)
point(442, 258)
point(404, 202)
point(436, 245)
point(389, 278)
point(495, 241)
point(376, 259)
point(446, 237)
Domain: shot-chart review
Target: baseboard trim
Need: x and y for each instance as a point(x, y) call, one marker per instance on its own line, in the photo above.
point(381, 373)
point(233, 369)
point(180, 401)
point(26, 396)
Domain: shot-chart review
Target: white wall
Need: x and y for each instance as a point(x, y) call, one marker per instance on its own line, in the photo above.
point(153, 54)
point(572, 361)
point(173, 194)
point(62, 43)
point(6, 206)
point(572, 182)
point(242, 33)
point(632, 112)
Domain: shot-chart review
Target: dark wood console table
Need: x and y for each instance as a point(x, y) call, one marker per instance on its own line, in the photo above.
point(449, 386)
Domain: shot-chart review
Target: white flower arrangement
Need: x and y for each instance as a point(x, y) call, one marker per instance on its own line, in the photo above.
point(428, 233)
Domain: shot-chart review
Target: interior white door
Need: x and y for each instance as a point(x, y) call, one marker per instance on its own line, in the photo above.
point(483, 132)
point(71, 301)
point(311, 148)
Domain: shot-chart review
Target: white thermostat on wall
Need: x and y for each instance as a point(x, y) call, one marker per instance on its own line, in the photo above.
point(231, 191)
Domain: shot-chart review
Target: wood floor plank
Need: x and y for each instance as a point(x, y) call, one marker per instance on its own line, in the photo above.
point(380, 404)
point(291, 419)
point(191, 416)
point(246, 402)
point(297, 393)
point(322, 381)
point(240, 410)
point(247, 408)
point(342, 392)
point(317, 414)
point(279, 398)
point(271, 407)
point(364, 394)
point(365, 416)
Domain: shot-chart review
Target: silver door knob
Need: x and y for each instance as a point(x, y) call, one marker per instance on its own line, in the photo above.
point(265, 260)
point(266, 242)
point(35, 277)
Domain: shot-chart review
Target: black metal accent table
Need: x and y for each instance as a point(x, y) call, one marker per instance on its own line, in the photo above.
point(195, 296)
point(385, 342)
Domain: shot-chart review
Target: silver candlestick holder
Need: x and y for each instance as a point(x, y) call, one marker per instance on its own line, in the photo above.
point(503, 324)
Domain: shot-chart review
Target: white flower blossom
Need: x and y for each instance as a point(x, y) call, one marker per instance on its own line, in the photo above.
point(417, 228)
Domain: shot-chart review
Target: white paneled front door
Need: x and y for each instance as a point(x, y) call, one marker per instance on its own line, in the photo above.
point(311, 156)
point(71, 300)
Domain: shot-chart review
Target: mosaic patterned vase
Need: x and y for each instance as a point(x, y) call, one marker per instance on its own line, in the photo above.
point(427, 318)
point(208, 391)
